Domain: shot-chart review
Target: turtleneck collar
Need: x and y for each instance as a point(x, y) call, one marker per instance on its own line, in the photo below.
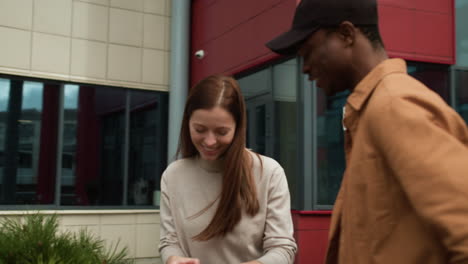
point(211, 165)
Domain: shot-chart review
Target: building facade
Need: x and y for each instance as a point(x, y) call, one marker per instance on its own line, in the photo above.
point(83, 115)
point(85, 106)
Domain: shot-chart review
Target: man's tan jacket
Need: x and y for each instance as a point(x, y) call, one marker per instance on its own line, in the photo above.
point(404, 195)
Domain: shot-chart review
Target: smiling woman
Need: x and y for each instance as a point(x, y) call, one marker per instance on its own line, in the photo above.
point(212, 131)
point(222, 203)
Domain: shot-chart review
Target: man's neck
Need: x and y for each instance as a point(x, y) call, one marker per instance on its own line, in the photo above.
point(367, 63)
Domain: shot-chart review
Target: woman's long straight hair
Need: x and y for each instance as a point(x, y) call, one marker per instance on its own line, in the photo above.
point(238, 191)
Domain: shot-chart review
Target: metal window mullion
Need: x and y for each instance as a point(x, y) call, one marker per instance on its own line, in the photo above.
point(298, 192)
point(60, 128)
point(454, 84)
point(300, 197)
point(270, 146)
point(306, 135)
point(126, 147)
point(453, 88)
point(310, 125)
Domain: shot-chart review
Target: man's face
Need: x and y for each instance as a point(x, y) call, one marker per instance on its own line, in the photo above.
point(326, 60)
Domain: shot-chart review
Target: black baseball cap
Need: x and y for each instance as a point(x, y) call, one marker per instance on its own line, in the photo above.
point(311, 15)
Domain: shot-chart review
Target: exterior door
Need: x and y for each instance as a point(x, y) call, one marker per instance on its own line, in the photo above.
point(260, 124)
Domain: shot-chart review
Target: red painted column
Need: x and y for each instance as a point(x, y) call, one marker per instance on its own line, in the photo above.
point(87, 147)
point(47, 166)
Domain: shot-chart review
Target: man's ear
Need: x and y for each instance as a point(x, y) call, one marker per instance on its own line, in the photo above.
point(347, 32)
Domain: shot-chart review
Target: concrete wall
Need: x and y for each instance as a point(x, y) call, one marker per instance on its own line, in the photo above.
point(111, 42)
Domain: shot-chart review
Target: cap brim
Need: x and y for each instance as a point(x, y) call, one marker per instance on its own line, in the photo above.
point(289, 42)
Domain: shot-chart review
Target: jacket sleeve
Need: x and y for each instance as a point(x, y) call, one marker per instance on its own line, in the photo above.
point(169, 242)
point(425, 146)
point(279, 246)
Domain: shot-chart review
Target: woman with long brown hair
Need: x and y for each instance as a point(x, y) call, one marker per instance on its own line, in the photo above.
point(222, 203)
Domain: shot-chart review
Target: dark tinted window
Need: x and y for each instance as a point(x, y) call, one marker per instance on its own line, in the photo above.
point(110, 144)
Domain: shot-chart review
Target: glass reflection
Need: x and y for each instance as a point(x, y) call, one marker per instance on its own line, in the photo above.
point(70, 116)
point(93, 144)
point(4, 95)
point(461, 84)
point(434, 76)
point(147, 150)
point(29, 144)
point(461, 32)
point(24, 167)
point(285, 138)
point(270, 96)
point(330, 146)
point(4, 105)
point(257, 91)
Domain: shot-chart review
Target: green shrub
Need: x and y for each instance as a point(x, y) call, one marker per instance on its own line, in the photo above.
point(36, 240)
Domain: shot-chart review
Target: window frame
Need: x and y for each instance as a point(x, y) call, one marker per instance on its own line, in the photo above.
point(307, 191)
point(55, 205)
point(454, 86)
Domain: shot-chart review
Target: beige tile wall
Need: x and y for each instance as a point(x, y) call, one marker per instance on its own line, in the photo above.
point(136, 229)
point(110, 42)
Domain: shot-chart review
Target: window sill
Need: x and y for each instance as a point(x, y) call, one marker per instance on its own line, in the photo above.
point(81, 212)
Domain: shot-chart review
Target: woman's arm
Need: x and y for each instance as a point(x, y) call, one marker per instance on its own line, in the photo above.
point(169, 246)
point(279, 246)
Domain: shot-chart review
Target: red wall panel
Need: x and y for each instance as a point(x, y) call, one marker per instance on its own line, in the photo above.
point(406, 4)
point(397, 28)
point(421, 30)
point(228, 48)
point(312, 246)
point(311, 234)
point(233, 33)
point(436, 6)
point(218, 17)
point(432, 37)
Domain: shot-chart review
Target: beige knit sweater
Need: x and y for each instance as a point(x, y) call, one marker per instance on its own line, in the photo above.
point(189, 185)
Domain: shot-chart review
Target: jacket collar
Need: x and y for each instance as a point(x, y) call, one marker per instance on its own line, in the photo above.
point(366, 86)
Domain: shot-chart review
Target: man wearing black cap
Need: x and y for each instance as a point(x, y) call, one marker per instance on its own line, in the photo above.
point(404, 194)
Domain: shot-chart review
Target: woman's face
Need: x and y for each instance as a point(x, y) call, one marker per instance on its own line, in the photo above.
point(212, 131)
